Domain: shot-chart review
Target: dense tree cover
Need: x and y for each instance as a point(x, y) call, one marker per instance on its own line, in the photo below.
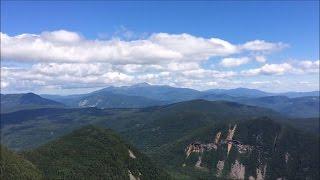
point(92, 153)
point(30, 128)
point(163, 133)
point(13, 167)
point(271, 142)
point(172, 122)
point(306, 124)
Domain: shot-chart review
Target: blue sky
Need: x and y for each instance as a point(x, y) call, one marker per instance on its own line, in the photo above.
point(292, 27)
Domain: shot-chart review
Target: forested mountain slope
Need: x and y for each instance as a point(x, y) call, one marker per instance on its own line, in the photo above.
point(13, 167)
point(253, 149)
point(93, 153)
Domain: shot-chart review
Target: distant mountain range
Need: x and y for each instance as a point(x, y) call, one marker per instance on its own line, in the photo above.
point(239, 92)
point(111, 100)
point(293, 104)
point(15, 102)
point(307, 106)
point(140, 95)
point(170, 94)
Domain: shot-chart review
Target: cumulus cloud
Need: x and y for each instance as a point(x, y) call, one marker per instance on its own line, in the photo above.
point(261, 59)
point(279, 69)
point(194, 48)
point(261, 45)
point(68, 75)
point(65, 46)
point(63, 59)
point(269, 69)
point(276, 68)
point(58, 47)
point(59, 76)
point(61, 36)
point(81, 70)
point(310, 66)
point(233, 62)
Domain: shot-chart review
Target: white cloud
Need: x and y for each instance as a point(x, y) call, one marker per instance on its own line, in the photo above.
point(269, 69)
point(70, 47)
point(81, 70)
point(261, 59)
point(63, 60)
point(309, 66)
point(44, 76)
point(182, 66)
point(4, 84)
point(278, 69)
point(63, 76)
point(261, 45)
point(234, 62)
point(70, 75)
point(61, 36)
point(207, 74)
point(29, 47)
point(194, 48)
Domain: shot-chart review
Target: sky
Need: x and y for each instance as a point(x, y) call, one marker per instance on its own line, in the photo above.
point(75, 47)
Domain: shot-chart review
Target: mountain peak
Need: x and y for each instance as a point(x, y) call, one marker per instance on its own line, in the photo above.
point(30, 94)
point(143, 84)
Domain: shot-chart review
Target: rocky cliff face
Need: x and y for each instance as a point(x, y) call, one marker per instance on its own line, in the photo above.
point(237, 170)
point(248, 151)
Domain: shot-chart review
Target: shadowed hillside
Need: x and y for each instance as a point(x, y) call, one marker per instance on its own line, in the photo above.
point(15, 102)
